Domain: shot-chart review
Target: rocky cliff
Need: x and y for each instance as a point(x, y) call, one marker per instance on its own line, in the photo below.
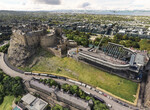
point(23, 46)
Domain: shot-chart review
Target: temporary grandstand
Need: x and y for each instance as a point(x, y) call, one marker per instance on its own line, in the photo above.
point(116, 59)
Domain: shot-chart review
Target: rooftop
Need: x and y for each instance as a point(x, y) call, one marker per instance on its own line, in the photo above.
point(72, 99)
point(28, 98)
point(42, 86)
point(78, 102)
point(33, 103)
point(38, 104)
point(102, 56)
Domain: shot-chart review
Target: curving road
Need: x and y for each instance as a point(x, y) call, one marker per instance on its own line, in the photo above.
point(10, 71)
point(13, 73)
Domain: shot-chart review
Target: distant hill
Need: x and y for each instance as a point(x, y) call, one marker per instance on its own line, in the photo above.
point(105, 12)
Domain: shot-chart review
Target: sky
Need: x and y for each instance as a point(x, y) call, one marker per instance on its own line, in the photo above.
point(47, 5)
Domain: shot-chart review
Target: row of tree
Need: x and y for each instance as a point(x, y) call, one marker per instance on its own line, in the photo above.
point(120, 39)
point(82, 38)
point(58, 107)
point(75, 90)
point(127, 41)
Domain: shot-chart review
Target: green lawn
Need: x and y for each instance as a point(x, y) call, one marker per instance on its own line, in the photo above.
point(85, 73)
point(7, 103)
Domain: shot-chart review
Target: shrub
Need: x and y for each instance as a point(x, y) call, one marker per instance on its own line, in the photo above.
point(18, 99)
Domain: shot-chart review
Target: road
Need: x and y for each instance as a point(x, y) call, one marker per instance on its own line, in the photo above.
point(11, 72)
point(115, 106)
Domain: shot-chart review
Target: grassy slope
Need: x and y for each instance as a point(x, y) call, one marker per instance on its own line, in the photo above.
point(85, 73)
point(7, 103)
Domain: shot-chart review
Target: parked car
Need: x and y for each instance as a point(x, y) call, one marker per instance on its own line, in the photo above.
point(121, 103)
point(83, 84)
point(105, 95)
point(93, 89)
point(89, 87)
point(100, 92)
point(63, 78)
point(116, 100)
point(126, 105)
point(110, 106)
point(98, 98)
point(97, 91)
point(110, 98)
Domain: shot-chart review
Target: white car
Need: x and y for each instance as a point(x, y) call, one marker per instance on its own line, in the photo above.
point(83, 84)
point(93, 89)
point(110, 106)
point(89, 87)
point(110, 97)
point(100, 92)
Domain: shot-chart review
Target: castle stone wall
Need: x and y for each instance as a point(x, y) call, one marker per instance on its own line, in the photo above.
point(23, 46)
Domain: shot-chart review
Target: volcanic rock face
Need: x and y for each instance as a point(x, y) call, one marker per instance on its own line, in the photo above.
point(23, 46)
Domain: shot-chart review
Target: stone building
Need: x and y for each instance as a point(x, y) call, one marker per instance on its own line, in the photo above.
point(147, 92)
point(56, 96)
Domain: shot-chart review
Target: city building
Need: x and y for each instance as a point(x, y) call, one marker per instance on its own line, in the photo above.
point(55, 96)
point(30, 102)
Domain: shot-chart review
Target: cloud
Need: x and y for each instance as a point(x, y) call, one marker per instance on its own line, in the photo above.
point(23, 3)
point(85, 4)
point(49, 2)
point(36, 5)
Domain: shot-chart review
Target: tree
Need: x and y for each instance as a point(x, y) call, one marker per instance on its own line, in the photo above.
point(137, 39)
point(18, 99)
point(6, 79)
point(135, 45)
point(74, 89)
point(1, 89)
point(99, 106)
point(41, 80)
point(48, 81)
point(125, 37)
point(57, 107)
point(132, 38)
point(81, 94)
point(122, 42)
point(118, 36)
point(7, 82)
point(65, 87)
point(53, 83)
point(45, 80)
point(17, 89)
point(18, 78)
point(128, 43)
point(87, 98)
